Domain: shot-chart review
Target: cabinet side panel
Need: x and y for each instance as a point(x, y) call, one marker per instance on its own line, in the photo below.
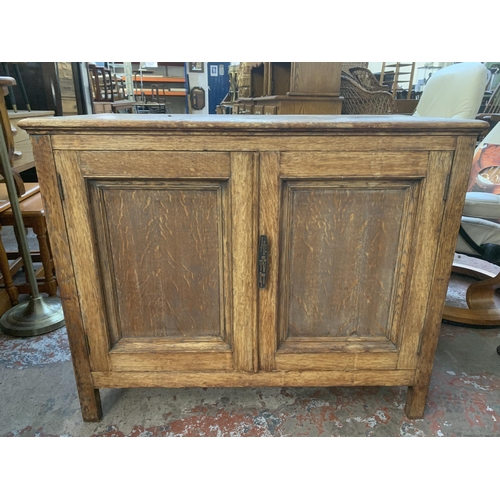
point(459, 176)
point(54, 214)
point(84, 258)
point(425, 248)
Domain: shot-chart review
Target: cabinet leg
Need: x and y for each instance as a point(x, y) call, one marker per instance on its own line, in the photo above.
point(90, 404)
point(415, 401)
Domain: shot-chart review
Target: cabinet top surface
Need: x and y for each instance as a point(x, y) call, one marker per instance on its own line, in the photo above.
point(106, 123)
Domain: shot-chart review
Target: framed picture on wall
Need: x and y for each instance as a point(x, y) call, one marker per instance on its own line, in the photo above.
point(196, 67)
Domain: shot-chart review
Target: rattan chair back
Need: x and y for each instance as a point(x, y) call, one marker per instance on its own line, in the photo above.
point(359, 101)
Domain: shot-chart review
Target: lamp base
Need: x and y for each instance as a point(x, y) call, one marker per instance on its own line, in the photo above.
point(35, 317)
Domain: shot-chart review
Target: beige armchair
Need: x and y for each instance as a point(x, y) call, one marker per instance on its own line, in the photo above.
point(455, 91)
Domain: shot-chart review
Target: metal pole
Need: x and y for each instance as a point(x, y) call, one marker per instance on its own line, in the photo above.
point(18, 218)
point(38, 315)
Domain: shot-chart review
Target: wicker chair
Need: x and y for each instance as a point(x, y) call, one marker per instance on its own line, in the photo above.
point(359, 101)
point(367, 80)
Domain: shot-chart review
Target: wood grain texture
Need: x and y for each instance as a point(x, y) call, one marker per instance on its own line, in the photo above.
point(155, 165)
point(337, 361)
point(302, 106)
point(342, 253)
point(307, 378)
point(315, 79)
point(151, 345)
point(171, 361)
point(89, 396)
point(425, 249)
point(244, 196)
point(326, 345)
point(360, 164)
point(282, 142)
point(85, 264)
point(269, 225)
point(164, 251)
point(459, 176)
point(351, 125)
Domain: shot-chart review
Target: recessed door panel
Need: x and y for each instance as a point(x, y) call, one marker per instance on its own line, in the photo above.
point(342, 248)
point(164, 247)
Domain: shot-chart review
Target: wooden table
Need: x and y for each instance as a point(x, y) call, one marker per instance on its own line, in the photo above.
point(157, 226)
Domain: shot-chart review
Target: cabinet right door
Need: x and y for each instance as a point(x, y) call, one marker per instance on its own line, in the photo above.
point(352, 238)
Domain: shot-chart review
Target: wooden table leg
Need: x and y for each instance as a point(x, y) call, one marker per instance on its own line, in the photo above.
point(10, 288)
point(40, 229)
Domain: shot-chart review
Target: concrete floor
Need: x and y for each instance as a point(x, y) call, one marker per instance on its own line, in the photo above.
point(38, 397)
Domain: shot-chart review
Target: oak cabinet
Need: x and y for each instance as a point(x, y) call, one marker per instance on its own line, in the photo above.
point(252, 251)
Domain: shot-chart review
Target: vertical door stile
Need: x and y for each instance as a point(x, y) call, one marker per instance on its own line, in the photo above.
point(269, 225)
point(244, 205)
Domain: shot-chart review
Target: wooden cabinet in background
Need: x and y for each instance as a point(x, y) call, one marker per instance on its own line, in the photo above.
point(23, 157)
point(222, 251)
point(293, 88)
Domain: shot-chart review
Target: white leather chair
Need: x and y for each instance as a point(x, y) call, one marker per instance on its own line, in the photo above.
point(455, 91)
point(480, 220)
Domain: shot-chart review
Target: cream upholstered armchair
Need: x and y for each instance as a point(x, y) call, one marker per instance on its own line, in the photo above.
point(455, 91)
point(480, 237)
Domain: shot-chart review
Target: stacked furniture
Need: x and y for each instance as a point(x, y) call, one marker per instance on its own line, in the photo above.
point(289, 88)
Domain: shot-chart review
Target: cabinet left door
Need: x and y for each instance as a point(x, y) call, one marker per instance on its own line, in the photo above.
point(162, 247)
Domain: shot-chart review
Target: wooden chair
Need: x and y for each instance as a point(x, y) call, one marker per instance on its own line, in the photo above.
point(108, 94)
point(33, 216)
point(358, 100)
point(158, 102)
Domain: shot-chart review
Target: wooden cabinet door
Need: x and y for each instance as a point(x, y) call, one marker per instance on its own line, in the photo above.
point(352, 239)
point(163, 255)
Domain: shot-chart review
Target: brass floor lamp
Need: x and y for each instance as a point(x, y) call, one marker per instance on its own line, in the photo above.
point(39, 314)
